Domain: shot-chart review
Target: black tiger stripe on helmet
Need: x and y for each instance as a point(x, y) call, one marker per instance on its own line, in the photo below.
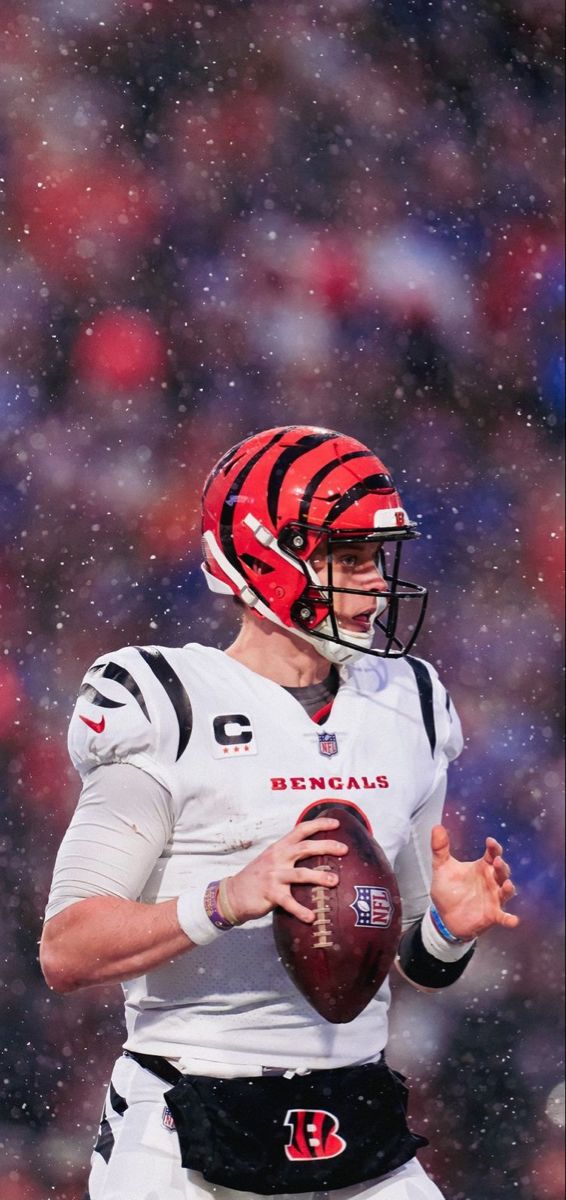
point(372, 483)
point(305, 443)
point(321, 475)
point(227, 514)
point(223, 465)
point(309, 441)
point(285, 494)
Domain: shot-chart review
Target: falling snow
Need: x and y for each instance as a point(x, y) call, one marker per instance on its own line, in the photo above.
point(221, 217)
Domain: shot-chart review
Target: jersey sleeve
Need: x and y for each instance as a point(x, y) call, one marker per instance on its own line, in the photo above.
point(442, 741)
point(121, 825)
point(453, 738)
point(413, 865)
point(442, 731)
point(117, 718)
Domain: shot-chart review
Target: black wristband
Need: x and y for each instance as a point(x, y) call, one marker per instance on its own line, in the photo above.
point(423, 968)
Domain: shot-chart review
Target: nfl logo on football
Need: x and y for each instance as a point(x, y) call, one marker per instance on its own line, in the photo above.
point(373, 907)
point(328, 744)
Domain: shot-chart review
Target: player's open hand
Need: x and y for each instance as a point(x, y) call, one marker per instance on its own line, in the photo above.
point(471, 896)
point(266, 882)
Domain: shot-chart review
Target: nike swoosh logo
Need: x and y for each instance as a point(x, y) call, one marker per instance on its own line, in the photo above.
point(98, 727)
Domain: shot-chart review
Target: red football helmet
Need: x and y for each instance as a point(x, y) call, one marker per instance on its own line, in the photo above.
point(279, 496)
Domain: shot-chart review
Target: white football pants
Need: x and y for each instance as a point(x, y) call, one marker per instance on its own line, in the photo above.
point(139, 1158)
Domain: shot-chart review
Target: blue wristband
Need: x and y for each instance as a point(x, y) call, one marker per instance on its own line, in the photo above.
point(442, 929)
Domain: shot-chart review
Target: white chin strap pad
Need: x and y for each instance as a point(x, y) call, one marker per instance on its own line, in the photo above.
point(332, 651)
point(215, 585)
point(341, 655)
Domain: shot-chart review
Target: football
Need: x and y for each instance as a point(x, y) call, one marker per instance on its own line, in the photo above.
point(340, 961)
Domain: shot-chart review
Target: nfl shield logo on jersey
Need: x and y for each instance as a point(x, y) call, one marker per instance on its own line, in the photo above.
point(328, 744)
point(167, 1120)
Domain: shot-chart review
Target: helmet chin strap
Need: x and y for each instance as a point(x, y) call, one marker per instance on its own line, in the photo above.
point(341, 655)
point(331, 650)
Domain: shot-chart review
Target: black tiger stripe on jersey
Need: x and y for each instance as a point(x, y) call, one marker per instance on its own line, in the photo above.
point(118, 1102)
point(320, 476)
point(426, 699)
point(104, 1144)
point(105, 1141)
point(310, 441)
point(93, 696)
point(373, 483)
point(120, 675)
point(227, 514)
point(176, 692)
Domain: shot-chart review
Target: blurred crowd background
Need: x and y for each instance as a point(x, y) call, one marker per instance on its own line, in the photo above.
point(222, 216)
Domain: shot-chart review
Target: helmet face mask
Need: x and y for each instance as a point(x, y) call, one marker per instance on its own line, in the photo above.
point(315, 611)
point(280, 498)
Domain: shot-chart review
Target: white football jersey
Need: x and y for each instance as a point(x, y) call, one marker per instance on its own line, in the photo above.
point(242, 760)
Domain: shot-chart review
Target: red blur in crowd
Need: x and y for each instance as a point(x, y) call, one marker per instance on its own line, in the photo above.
point(121, 349)
point(77, 218)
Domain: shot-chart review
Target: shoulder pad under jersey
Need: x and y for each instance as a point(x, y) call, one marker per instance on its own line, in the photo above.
point(131, 708)
point(440, 719)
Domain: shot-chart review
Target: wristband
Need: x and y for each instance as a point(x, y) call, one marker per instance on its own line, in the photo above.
point(442, 928)
point(426, 970)
point(211, 907)
point(194, 918)
point(437, 945)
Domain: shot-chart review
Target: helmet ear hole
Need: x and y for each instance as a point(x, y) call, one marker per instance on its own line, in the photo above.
point(292, 539)
point(302, 612)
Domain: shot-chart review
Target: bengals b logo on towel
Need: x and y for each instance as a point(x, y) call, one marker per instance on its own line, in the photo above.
point(314, 1134)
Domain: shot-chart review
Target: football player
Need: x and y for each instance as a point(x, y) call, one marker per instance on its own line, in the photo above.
point(196, 766)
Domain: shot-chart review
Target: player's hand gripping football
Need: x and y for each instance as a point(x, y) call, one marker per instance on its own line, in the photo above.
point(266, 882)
point(471, 896)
